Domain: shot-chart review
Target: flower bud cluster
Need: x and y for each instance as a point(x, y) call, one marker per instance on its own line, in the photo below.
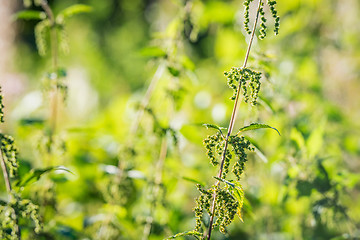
point(203, 202)
point(41, 32)
point(9, 211)
point(274, 14)
point(248, 79)
point(247, 15)
point(226, 209)
point(263, 19)
point(214, 142)
point(240, 145)
point(9, 153)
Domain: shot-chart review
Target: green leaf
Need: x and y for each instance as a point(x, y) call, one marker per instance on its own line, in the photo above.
point(154, 52)
point(35, 174)
point(225, 181)
point(30, 15)
point(187, 63)
point(255, 126)
point(315, 141)
point(73, 10)
point(173, 71)
point(193, 180)
point(189, 233)
point(297, 137)
point(238, 193)
point(208, 126)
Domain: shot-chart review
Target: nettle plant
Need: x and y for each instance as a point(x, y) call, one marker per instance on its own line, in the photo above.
point(50, 33)
point(15, 209)
point(50, 36)
point(218, 205)
point(153, 125)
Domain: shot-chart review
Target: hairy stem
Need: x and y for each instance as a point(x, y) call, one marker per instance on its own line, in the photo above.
point(9, 189)
point(231, 124)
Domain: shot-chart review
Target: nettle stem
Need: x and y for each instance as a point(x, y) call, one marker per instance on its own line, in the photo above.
point(9, 190)
point(231, 124)
point(157, 187)
point(54, 93)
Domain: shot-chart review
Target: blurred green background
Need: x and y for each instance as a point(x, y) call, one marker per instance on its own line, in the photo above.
point(301, 185)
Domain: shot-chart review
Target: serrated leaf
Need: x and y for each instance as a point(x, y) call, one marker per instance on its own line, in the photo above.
point(35, 174)
point(188, 233)
point(238, 193)
point(30, 15)
point(193, 180)
point(73, 10)
point(255, 126)
point(208, 126)
point(154, 52)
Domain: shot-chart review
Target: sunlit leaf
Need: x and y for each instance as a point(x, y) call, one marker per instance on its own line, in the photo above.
point(255, 126)
point(73, 10)
point(208, 126)
point(315, 140)
point(35, 174)
point(189, 233)
point(154, 52)
point(30, 15)
point(193, 180)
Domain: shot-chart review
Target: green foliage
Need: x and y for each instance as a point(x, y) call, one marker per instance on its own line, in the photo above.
point(255, 126)
point(30, 15)
point(143, 75)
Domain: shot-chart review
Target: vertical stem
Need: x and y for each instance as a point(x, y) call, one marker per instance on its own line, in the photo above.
point(9, 189)
point(5, 173)
point(54, 95)
point(231, 124)
point(157, 182)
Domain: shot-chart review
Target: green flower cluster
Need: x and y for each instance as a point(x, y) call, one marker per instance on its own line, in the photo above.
point(248, 79)
point(247, 15)
point(240, 144)
point(17, 207)
point(41, 34)
point(274, 14)
point(263, 19)
point(214, 142)
point(203, 202)
point(225, 211)
point(9, 153)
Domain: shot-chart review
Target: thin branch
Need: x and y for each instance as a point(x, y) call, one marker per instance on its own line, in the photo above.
point(9, 189)
point(5, 173)
point(54, 94)
point(231, 124)
point(157, 183)
point(145, 101)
